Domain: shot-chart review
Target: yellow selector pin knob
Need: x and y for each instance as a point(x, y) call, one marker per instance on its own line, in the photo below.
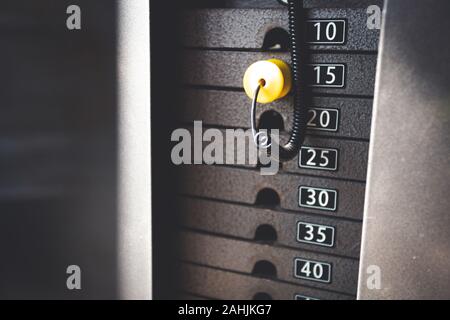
point(274, 77)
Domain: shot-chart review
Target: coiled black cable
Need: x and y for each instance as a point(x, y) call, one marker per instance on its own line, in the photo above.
point(296, 18)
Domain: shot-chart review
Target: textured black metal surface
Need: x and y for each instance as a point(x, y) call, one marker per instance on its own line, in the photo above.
point(242, 185)
point(226, 69)
point(276, 4)
point(407, 220)
point(219, 209)
point(241, 256)
point(341, 3)
point(242, 221)
point(351, 158)
point(232, 109)
point(225, 285)
point(246, 28)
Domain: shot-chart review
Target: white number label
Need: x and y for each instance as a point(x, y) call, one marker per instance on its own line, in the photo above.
point(315, 234)
point(318, 158)
point(325, 31)
point(312, 270)
point(323, 119)
point(326, 75)
point(318, 198)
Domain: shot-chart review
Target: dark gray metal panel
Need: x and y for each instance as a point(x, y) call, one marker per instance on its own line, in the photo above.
point(228, 285)
point(246, 28)
point(407, 222)
point(243, 185)
point(58, 149)
point(231, 109)
point(64, 104)
point(242, 221)
point(226, 69)
point(241, 256)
